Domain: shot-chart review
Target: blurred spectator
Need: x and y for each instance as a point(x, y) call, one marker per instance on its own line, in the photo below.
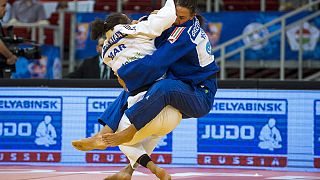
point(287, 5)
point(93, 68)
point(7, 16)
point(8, 58)
point(62, 5)
point(28, 11)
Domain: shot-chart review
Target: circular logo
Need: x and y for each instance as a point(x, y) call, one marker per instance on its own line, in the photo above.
point(255, 35)
point(208, 48)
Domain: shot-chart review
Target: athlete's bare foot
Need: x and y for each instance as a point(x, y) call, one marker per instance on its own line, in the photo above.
point(124, 174)
point(161, 173)
point(94, 142)
point(115, 139)
point(88, 144)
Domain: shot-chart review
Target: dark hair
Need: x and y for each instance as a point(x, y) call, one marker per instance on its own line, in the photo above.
point(99, 27)
point(189, 4)
point(192, 5)
point(201, 20)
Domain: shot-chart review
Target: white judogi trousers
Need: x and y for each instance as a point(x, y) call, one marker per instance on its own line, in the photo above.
point(146, 139)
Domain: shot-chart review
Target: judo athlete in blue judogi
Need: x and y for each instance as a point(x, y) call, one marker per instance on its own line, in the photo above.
point(190, 86)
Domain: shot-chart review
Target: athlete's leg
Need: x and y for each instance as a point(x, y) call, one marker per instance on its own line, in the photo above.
point(189, 100)
point(146, 140)
point(165, 121)
point(126, 173)
point(135, 152)
point(150, 143)
point(110, 119)
point(132, 151)
point(161, 173)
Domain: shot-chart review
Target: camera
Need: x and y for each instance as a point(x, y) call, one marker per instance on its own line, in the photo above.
point(19, 47)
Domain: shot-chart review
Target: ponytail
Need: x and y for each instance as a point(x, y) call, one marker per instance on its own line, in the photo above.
point(201, 20)
point(97, 29)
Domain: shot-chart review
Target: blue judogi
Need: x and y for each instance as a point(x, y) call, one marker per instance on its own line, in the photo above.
point(185, 55)
point(112, 115)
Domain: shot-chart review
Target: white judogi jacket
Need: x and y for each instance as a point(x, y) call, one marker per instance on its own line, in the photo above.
point(131, 42)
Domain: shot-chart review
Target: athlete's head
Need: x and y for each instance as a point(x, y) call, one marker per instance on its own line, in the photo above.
point(100, 27)
point(186, 10)
point(100, 44)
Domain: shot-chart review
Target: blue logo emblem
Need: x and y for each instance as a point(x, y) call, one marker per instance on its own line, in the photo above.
point(208, 48)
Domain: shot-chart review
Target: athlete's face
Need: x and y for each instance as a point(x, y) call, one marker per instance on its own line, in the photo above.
point(3, 4)
point(183, 15)
point(99, 45)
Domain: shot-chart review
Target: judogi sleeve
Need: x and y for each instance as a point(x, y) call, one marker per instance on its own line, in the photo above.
point(150, 68)
point(156, 23)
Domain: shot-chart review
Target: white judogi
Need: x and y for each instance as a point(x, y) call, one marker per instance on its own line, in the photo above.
point(146, 139)
point(129, 43)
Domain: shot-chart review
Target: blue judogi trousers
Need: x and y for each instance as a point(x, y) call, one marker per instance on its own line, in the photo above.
point(191, 101)
point(112, 115)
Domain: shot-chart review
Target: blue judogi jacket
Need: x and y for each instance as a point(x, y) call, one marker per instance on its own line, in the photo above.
point(184, 53)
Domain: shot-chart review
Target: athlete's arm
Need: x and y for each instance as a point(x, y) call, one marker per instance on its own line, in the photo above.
point(150, 68)
point(157, 23)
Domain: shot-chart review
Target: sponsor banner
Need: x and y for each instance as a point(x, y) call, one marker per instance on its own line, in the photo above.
point(120, 158)
point(317, 162)
point(30, 156)
point(95, 107)
point(47, 67)
point(30, 124)
point(220, 28)
point(257, 32)
point(317, 133)
point(240, 160)
point(248, 106)
point(43, 104)
point(239, 126)
point(213, 31)
point(306, 33)
point(85, 47)
point(264, 49)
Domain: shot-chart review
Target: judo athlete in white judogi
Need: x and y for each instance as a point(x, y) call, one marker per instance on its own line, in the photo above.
point(126, 43)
